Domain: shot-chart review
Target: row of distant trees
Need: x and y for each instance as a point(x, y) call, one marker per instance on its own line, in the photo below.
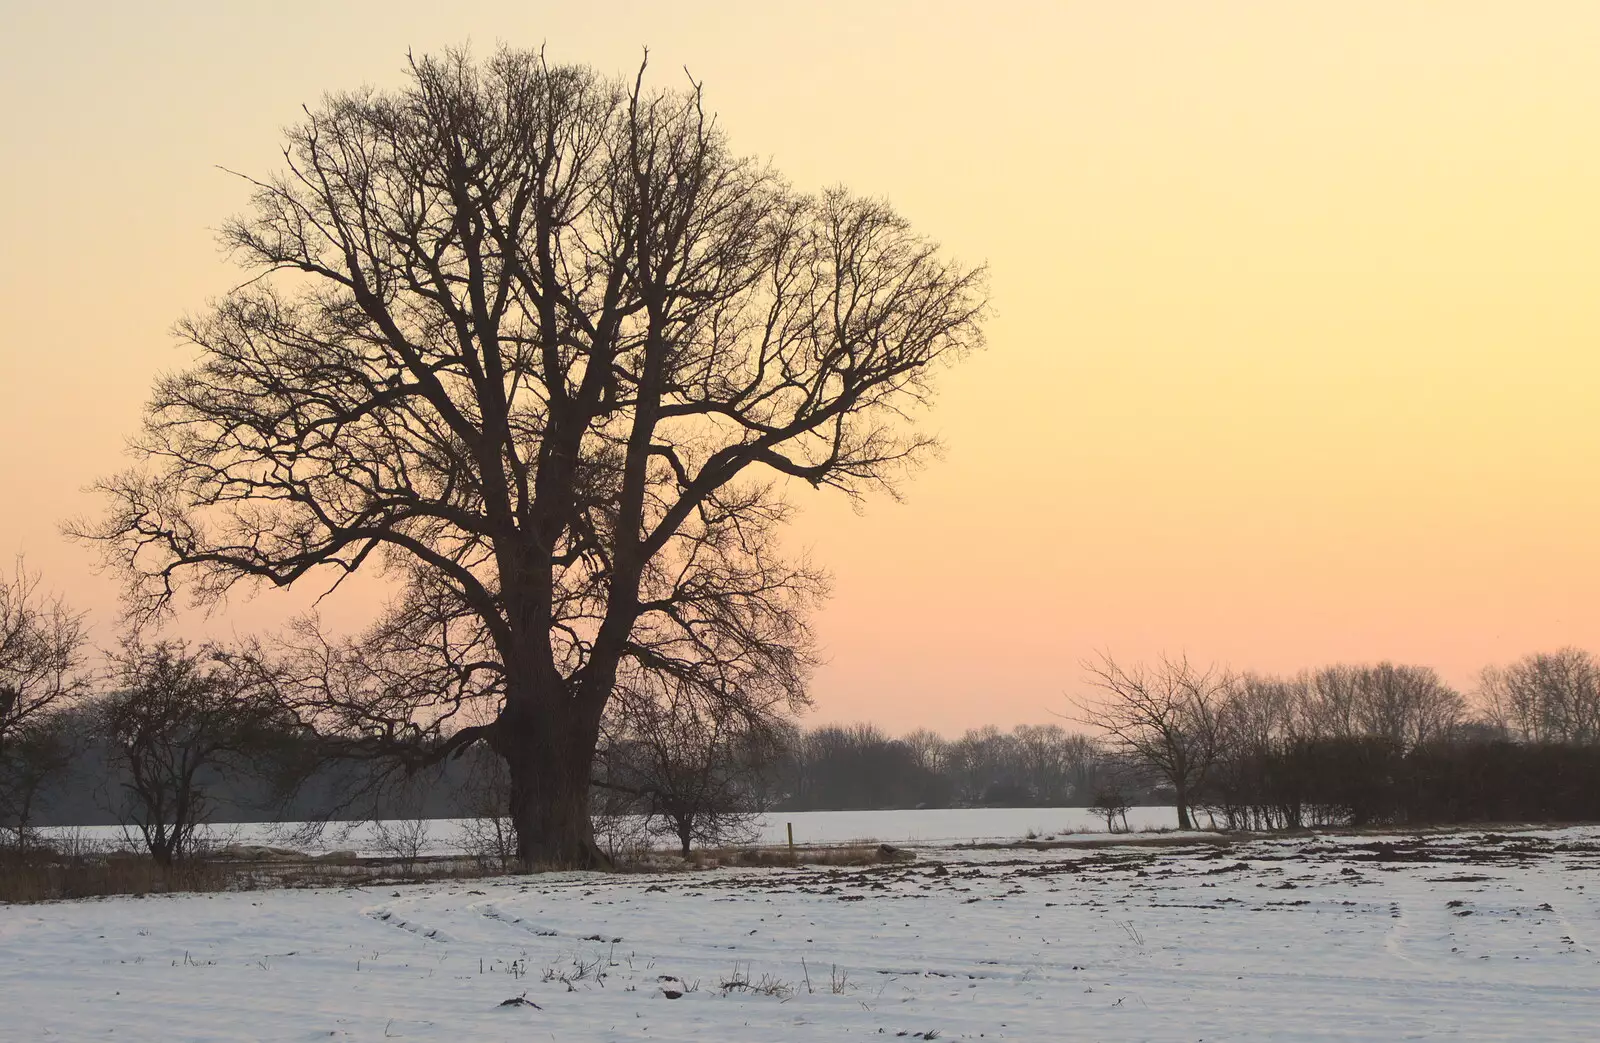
point(1359, 744)
point(859, 766)
point(168, 730)
point(1342, 745)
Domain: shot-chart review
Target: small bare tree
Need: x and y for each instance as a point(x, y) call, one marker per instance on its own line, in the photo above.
point(622, 827)
point(1111, 803)
point(488, 833)
point(176, 720)
point(403, 839)
point(1165, 717)
point(694, 762)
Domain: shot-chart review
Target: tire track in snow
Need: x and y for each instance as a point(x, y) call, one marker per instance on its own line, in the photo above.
point(1394, 939)
point(491, 911)
point(386, 914)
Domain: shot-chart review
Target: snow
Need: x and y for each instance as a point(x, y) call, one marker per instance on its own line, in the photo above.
point(921, 826)
point(926, 826)
point(1465, 936)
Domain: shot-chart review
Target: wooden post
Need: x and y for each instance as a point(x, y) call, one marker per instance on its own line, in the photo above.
point(791, 838)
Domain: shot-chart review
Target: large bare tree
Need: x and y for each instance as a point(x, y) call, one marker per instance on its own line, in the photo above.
point(540, 343)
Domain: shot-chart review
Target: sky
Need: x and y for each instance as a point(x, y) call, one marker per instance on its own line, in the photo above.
point(1293, 356)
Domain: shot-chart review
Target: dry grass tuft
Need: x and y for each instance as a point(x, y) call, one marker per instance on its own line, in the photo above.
point(41, 875)
point(38, 873)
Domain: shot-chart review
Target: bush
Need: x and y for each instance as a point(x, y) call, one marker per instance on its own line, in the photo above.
point(1369, 781)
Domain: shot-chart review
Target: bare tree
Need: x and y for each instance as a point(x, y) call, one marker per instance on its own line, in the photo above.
point(982, 766)
point(541, 343)
point(485, 793)
point(621, 824)
point(694, 763)
point(36, 757)
point(1408, 705)
point(41, 660)
point(858, 766)
point(1546, 697)
point(1087, 764)
point(176, 720)
point(1328, 702)
point(1111, 803)
point(928, 748)
point(402, 832)
point(1255, 722)
point(1260, 710)
point(1165, 717)
point(41, 676)
point(1046, 756)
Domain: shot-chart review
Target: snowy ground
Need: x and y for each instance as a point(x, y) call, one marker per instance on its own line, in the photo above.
point(1462, 936)
point(929, 826)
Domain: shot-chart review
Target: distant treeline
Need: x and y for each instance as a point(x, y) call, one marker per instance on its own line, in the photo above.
point(1345, 745)
point(858, 766)
point(1472, 775)
point(1359, 745)
point(91, 791)
point(824, 769)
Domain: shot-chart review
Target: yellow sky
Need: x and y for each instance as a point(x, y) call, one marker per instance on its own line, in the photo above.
point(1294, 356)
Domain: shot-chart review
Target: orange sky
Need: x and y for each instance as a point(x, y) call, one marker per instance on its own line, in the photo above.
point(1294, 356)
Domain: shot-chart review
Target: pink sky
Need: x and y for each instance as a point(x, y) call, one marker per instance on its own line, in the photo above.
point(1294, 349)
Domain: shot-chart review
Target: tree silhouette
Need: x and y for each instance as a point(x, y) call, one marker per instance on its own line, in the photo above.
point(175, 722)
point(41, 655)
point(1165, 717)
point(540, 344)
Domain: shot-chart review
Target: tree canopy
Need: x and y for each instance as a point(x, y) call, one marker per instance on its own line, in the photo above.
point(542, 345)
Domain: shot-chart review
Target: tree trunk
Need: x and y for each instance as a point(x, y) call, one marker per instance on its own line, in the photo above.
point(1182, 800)
point(549, 771)
point(161, 844)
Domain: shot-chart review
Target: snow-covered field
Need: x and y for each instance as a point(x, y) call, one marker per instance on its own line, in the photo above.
point(930, 826)
point(1472, 935)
